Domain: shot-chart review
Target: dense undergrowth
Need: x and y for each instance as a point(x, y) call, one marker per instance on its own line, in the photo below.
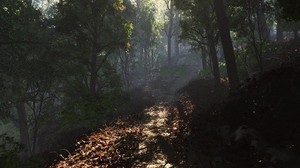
point(255, 126)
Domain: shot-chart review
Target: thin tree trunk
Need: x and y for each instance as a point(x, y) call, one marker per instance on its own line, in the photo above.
point(177, 20)
point(176, 45)
point(170, 31)
point(93, 79)
point(262, 24)
point(203, 58)
point(169, 49)
point(126, 70)
point(23, 128)
point(227, 44)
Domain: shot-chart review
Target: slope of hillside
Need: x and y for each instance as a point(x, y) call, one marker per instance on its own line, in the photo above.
point(256, 126)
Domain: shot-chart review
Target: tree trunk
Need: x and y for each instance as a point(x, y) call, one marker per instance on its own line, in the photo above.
point(176, 45)
point(126, 70)
point(23, 128)
point(212, 48)
point(170, 31)
point(262, 24)
point(227, 44)
point(214, 58)
point(169, 49)
point(203, 58)
point(177, 20)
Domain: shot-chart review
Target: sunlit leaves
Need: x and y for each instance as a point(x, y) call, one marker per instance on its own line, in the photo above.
point(119, 6)
point(128, 45)
point(128, 26)
point(5, 8)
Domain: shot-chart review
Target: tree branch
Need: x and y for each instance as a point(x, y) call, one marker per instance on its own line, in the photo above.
point(20, 42)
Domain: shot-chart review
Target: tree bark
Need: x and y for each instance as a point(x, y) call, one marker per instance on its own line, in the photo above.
point(177, 30)
point(227, 44)
point(176, 45)
point(212, 47)
point(169, 49)
point(170, 31)
point(215, 63)
point(213, 55)
point(262, 24)
point(203, 58)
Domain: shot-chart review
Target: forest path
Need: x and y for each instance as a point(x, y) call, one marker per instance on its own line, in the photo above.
point(146, 141)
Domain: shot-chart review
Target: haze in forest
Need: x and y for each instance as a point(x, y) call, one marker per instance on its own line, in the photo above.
point(165, 73)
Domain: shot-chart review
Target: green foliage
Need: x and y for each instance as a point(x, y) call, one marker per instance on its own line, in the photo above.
point(26, 69)
point(22, 52)
point(118, 5)
point(91, 111)
point(91, 32)
point(205, 74)
point(196, 17)
point(222, 68)
point(147, 49)
point(250, 23)
point(85, 109)
point(9, 150)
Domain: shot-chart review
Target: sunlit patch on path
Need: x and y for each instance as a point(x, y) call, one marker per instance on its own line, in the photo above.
point(156, 134)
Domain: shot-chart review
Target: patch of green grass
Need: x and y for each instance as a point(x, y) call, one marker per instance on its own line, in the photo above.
point(173, 70)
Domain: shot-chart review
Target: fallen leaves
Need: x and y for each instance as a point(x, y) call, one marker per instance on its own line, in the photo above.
point(107, 147)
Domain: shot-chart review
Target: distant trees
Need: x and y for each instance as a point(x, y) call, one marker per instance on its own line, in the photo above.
point(27, 72)
point(170, 26)
point(251, 21)
point(289, 17)
point(200, 10)
point(198, 27)
point(146, 36)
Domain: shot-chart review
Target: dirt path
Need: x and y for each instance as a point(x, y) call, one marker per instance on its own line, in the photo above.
point(124, 143)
